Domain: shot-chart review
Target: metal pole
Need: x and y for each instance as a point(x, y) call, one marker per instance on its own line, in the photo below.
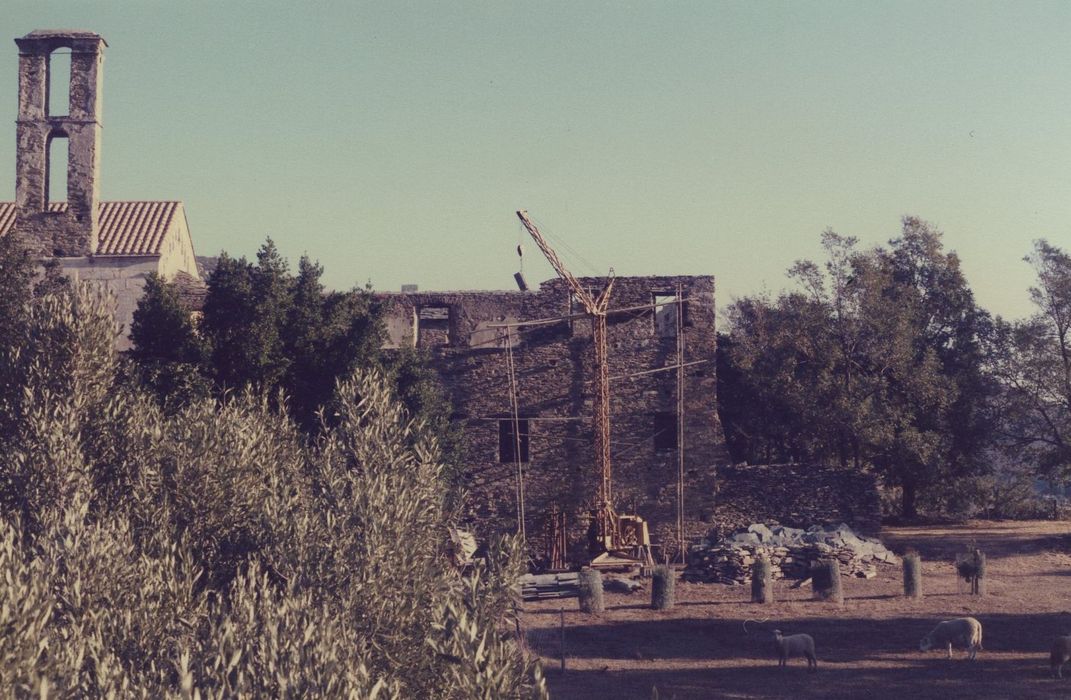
point(680, 421)
point(606, 527)
point(516, 436)
point(561, 640)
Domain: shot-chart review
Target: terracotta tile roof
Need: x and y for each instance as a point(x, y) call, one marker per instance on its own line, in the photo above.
point(134, 228)
point(126, 228)
point(7, 216)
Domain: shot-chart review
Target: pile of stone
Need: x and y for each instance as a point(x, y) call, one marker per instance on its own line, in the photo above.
point(792, 553)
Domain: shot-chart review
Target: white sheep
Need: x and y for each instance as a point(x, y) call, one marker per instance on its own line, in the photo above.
point(963, 631)
point(1061, 654)
point(795, 645)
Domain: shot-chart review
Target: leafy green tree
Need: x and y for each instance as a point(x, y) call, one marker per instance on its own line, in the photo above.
point(772, 366)
point(938, 393)
point(326, 335)
point(280, 334)
point(262, 328)
point(169, 351)
point(874, 362)
point(1032, 361)
point(244, 313)
point(423, 395)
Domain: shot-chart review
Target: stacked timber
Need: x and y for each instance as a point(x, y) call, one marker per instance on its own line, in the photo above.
point(541, 586)
point(792, 553)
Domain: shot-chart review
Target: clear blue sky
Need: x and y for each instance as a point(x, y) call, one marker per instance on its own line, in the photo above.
point(393, 141)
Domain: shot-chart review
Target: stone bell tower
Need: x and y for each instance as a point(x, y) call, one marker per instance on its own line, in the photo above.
point(54, 228)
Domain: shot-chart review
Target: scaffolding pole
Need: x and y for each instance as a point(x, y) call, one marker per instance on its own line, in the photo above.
point(572, 317)
point(516, 435)
point(680, 422)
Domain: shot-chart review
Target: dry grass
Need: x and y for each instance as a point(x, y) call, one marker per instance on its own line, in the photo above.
point(867, 648)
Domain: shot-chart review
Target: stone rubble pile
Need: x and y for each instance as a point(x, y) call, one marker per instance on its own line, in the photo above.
point(791, 551)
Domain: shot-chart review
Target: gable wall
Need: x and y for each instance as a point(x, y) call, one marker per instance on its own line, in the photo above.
point(176, 250)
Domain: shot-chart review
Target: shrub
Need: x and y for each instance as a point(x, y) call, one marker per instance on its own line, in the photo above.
point(211, 552)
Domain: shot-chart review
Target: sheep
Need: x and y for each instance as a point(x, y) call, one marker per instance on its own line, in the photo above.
point(795, 645)
point(963, 631)
point(1061, 654)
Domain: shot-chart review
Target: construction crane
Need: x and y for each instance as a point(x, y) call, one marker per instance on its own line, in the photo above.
point(610, 534)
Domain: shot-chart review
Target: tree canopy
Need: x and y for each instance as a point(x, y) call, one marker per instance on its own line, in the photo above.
point(1032, 361)
point(873, 361)
point(282, 334)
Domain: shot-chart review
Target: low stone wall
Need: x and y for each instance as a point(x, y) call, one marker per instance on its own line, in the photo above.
point(796, 495)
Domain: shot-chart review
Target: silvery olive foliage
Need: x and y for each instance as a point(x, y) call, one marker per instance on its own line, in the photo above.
point(214, 552)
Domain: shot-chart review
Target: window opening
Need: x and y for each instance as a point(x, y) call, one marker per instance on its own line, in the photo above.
point(59, 83)
point(58, 156)
point(434, 318)
point(507, 441)
point(665, 316)
point(433, 326)
point(665, 427)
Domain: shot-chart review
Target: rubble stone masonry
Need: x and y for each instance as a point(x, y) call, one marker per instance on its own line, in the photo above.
point(796, 495)
point(73, 231)
point(553, 368)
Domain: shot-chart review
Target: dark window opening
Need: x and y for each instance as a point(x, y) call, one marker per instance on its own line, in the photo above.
point(508, 441)
point(59, 83)
point(665, 314)
point(56, 169)
point(665, 427)
point(434, 318)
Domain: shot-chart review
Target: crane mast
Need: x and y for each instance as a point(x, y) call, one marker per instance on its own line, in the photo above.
point(605, 531)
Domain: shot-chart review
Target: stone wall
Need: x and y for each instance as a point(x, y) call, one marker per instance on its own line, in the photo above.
point(553, 364)
point(795, 495)
point(73, 231)
point(124, 277)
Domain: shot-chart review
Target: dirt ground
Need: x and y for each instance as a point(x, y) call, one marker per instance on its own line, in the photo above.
point(866, 649)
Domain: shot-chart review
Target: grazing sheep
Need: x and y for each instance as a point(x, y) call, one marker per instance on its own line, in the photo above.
point(1061, 654)
point(963, 631)
point(795, 645)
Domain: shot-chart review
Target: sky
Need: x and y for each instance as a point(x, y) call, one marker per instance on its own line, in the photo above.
point(394, 141)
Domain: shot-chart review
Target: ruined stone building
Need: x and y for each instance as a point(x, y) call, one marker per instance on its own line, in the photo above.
point(473, 337)
point(463, 333)
point(115, 244)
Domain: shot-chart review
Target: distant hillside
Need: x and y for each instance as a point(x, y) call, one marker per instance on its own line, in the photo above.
point(206, 265)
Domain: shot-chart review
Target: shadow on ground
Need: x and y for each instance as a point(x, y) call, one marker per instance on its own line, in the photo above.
point(858, 658)
point(997, 539)
point(987, 679)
